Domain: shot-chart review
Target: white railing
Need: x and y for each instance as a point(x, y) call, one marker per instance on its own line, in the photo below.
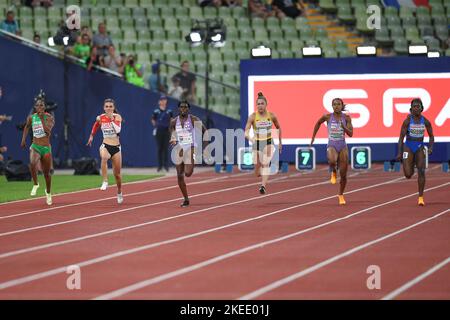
point(54, 52)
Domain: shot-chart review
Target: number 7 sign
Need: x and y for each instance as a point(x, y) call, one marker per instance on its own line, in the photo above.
point(305, 158)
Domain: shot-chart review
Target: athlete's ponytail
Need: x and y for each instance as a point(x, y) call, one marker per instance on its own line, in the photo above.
point(261, 96)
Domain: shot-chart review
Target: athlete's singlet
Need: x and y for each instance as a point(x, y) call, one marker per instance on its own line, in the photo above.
point(336, 134)
point(262, 127)
point(186, 134)
point(37, 126)
point(107, 127)
point(415, 134)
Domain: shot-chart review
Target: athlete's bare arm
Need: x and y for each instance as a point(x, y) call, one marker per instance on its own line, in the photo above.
point(349, 127)
point(204, 130)
point(277, 125)
point(322, 119)
point(430, 134)
point(403, 131)
point(250, 121)
point(25, 132)
point(173, 138)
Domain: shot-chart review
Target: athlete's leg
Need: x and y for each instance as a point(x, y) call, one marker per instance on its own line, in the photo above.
point(46, 163)
point(332, 157)
point(189, 162)
point(420, 164)
point(267, 155)
point(408, 162)
point(180, 167)
point(105, 156)
point(117, 167)
point(343, 167)
point(34, 160)
point(256, 159)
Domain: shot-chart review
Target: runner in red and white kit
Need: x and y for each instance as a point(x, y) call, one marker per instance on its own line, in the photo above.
point(110, 123)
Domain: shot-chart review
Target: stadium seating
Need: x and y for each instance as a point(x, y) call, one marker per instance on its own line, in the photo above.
point(155, 29)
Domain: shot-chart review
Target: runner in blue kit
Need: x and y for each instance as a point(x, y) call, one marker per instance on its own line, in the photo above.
point(338, 125)
point(183, 140)
point(413, 148)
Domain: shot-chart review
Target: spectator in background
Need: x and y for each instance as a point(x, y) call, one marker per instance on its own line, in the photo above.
point(84, 30)
point(134, 71)
point(37, 38)
point(262, 9)
point(94, 59)
point(112, 61)
point(123, 57)
point(153, 80)
point(187, 82)
point(161, 120)
point(83, 50)
point(231, 3)
point(213, 3)
point(102, 41)
point(175, 89)
point(291, 8)
point(36, 3)
point(10, 24)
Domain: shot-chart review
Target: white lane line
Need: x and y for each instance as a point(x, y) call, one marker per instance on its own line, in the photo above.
point(54, 244)
point(104, 199)
point(131, 208)
point(148, 282)
point(416, 280)
point(300, 274)
point(48, 273)
point(80, 191)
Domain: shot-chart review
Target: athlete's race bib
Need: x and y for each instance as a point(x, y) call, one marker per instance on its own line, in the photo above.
point(108, 130)
point(185, 138)
point(38, 130)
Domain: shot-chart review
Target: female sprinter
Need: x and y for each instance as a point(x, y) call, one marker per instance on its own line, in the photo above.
point(183, 141)
point(40, 150)
point(338, 124)
point(413, 149)
point(262, 143)
point(110, 123)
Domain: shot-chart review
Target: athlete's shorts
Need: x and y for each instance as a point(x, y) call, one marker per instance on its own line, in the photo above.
point(414, 145)
point(112, 150)
point(337, 145)
point(42, 150)
point(259, 145)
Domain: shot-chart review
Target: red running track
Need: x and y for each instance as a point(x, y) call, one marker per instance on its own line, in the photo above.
point(232, 243)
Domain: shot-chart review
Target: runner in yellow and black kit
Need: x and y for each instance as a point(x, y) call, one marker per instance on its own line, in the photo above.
point(263, 147)
point(40, 149)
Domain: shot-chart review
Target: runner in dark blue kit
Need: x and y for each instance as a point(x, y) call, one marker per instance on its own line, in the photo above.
point(413, 149)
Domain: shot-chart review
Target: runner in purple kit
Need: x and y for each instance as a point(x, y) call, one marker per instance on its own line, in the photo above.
point(338, 125)
point(183, 140)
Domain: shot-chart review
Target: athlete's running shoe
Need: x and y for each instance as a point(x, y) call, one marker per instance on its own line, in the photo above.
point(341, 199)
point(262, 190)
point(34, 189)
point(104, 186)
point(119, 198)
point(333, 178)
point(420, 202)
point(185, 203)
point(48, 198)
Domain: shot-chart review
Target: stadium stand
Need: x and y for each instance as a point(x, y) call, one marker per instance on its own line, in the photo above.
point(155, 29)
